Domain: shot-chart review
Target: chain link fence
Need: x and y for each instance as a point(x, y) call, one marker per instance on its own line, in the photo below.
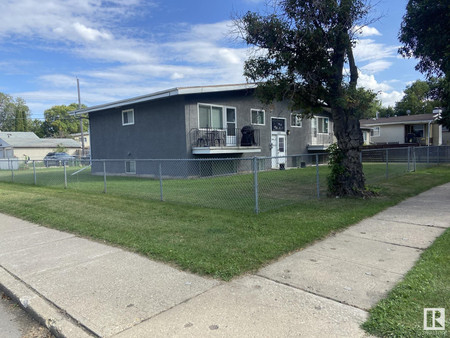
point(245, 184)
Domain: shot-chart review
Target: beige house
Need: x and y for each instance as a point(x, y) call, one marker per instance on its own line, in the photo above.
point(27, 145)
point(422, 129)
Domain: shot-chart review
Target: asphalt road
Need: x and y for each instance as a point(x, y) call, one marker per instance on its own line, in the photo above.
point(16, 323)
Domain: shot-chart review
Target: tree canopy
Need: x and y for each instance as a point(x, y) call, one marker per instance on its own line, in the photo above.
point(14, 114)
point(419, 98)
point(58, 122)
point(303, 50)
point(425, 35)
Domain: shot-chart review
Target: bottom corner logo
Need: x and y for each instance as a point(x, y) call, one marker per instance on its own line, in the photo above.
point(434, 319)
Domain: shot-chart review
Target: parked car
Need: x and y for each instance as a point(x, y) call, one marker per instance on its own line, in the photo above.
point(57, 159)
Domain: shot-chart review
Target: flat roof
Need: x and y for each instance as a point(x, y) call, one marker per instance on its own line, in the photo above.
point(167, 93)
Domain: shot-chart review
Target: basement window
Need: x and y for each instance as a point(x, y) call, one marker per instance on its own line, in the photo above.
point(130, 167)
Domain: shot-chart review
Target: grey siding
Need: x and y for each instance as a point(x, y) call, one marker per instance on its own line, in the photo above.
point(158, 132)
point(244, 101)
point(161, 130)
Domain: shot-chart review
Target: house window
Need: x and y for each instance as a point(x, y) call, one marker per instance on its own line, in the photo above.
point(127, 117)
point(322, 125)
point(296, 120)
point(375, 132)
point(258, 117)
point(130, 167)
point(210, 116)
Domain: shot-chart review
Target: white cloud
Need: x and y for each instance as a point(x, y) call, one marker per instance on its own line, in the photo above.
point(365, 31)
point(390, 98)
point(376, 66)
point(90, 34)
point(59, 80)
point(369, 50)
point(385, 92)
point(368, 81)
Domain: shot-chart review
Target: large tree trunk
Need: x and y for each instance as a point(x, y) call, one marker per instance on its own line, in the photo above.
point(350, 181)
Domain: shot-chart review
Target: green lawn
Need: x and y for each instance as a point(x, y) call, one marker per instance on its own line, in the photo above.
point(234, 192)
point(427, 285)
point(215, 242)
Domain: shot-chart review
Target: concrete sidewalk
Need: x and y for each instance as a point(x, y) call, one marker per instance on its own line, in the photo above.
point(81, 288)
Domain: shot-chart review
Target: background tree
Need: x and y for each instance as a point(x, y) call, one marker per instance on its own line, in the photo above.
point(425, 34)
point(302, 49)
point(14, 114)
point(58, 122)
point(386, 111)
point(419, 98)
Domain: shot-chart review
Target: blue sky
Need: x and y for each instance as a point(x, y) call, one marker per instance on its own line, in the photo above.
point(125, 48)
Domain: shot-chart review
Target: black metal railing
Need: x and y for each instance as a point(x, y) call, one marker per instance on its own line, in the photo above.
point(231, 137)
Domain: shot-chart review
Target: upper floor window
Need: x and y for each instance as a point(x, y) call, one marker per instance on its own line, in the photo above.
point(322, 125)
point(296, 120)
point(210, 116)
point(258, 116)
point(127, 117)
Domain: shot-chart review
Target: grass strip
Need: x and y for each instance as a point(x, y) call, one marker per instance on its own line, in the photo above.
point(427, 285)
point(218, 243)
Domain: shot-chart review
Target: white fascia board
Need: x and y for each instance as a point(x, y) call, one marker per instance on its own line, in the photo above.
point(215, 89)
point(121, 103)
point(163, 94)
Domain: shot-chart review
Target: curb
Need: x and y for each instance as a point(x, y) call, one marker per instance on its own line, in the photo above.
point(47, 314)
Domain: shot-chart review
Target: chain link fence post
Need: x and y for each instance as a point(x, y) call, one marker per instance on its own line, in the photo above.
point(408, 151)
point(387, 164)
point(255, 183)
point(160, 182)
point(65, 175)
point(12, 170)
point(104, 177)
point(34, 172)
point(414, 159)
point(317, 176)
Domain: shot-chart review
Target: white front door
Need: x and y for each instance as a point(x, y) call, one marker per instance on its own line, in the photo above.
point(278, 152)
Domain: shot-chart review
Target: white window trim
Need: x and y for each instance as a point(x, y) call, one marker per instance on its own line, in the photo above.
point(224, 114)
point(130, 172)
point(251, 117)
point(127, 111)
point(301, 120)
point(377, 134)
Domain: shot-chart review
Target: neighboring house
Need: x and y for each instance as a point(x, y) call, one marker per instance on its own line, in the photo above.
point(87, 142)
point(422, 129)
point(27, 145)
point(445, 136)
point(225, 121)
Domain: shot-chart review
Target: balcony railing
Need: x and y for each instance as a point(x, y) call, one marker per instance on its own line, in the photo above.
point(223, 138)
point(321, 139)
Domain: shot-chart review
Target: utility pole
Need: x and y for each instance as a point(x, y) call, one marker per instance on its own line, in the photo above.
point(81, 120)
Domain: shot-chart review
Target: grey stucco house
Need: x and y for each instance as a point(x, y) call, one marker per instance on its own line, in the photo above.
point(225, 121)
